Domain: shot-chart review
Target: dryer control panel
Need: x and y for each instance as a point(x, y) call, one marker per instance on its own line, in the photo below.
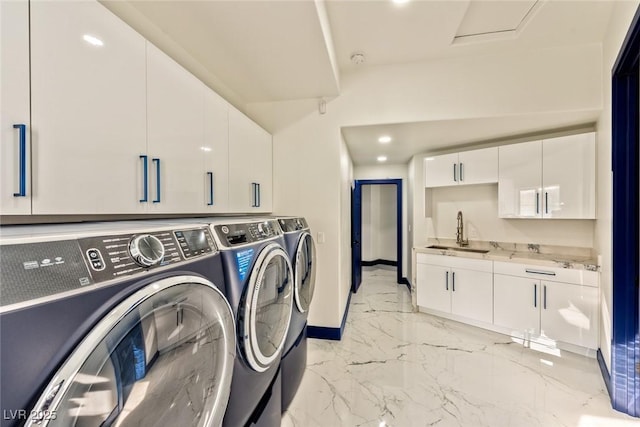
point(233, 235)
point(290, 225)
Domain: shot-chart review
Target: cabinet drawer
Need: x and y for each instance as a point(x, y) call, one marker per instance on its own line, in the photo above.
point(552, 274)
point(456, 262)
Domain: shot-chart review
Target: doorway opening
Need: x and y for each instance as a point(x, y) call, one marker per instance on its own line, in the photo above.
point(625, 345)
point(376, 227)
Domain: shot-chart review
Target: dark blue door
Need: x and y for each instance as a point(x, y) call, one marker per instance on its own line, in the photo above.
point(356, 237)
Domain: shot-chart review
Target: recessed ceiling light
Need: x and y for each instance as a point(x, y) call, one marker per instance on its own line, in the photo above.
point(400, 1)
point(93, 40)
point(429, 159)
point(382, 158)
point(384, 139)
point(207, 149)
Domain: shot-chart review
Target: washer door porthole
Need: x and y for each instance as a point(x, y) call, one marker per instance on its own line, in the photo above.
point(267, 308)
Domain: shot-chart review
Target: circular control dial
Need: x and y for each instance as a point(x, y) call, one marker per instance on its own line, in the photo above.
point(264, 229)
point(146, 250)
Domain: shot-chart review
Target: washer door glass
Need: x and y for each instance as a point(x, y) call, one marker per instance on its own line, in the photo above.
point(305, 272)
point(267, 310)
point(163, 357)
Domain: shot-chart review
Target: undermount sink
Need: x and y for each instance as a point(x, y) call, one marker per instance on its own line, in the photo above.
point(455, 248)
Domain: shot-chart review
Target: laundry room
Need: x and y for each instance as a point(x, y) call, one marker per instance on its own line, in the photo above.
point(319, 212)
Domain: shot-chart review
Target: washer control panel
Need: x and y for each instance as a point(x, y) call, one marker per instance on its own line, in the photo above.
point(241, 234)
point(110, 257)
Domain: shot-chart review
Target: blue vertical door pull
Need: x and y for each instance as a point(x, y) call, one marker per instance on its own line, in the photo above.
point(23, 160)
point(158, 187)
point(254, 194)
point(145, 178)
point(210, 175)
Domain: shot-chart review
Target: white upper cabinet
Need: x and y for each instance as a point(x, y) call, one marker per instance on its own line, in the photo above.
point(216, 152)
point(15, 163)
point(519, 181)
point(568, 173)
point(88, 104)
point(478, 166)
point(175, 136)
point(250, 165)
point(467, 167)
point(441, 171)
point(553, 178)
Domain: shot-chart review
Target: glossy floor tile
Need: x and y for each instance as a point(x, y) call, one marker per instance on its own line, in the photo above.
point(394, 367)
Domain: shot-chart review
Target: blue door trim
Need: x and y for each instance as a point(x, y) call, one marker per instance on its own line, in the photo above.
point(356, 221)
point(625, 346)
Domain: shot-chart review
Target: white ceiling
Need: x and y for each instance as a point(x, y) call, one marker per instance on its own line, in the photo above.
point(254, 51)
point(441, 135)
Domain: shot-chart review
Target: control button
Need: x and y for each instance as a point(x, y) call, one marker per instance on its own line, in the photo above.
point(97, 265)
point(93, 254)
point(146, 250)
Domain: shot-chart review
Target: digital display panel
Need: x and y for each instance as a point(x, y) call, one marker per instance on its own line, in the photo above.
point(196, 239)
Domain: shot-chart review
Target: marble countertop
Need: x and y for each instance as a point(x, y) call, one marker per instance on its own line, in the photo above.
point(533, 254)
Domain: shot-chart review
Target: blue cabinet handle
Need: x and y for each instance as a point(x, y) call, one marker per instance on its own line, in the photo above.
point(145, 178)
point(254, 194)
point(546, 202)
point(158, 187)
point(210, 175)
point(23, 160)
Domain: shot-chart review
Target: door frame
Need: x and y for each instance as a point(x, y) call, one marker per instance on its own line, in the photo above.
point(625, 346)
point(356, 233)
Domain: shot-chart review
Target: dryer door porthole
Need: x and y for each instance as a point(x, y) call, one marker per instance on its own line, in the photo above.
point(305, 272)
point(267, 308)
point(163, 356)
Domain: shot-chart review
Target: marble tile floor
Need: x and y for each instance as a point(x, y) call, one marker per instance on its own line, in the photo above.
point(397, 368)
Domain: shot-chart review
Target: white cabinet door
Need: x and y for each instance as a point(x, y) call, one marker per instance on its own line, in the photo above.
point(570, 313)
point(250, 165)
point(433, 287)
point(175, 135)
point(569, 176)
point(15, 138)
point(472, 294)
point(216, 153)
point(441, 171)
point(520, 180)
point(478, 166)
point(516, 304)
point(88, 106)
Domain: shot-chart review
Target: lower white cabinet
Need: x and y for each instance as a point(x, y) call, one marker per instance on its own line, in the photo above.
point(551, 305)
point(560, 311)
point(570, 313)
point(456, 286)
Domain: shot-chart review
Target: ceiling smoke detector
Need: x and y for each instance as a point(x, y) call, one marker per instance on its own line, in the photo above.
point(357, 58)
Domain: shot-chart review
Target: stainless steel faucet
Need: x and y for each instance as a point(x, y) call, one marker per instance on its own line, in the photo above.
point(460, 232)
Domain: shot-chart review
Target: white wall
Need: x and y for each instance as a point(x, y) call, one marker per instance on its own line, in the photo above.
point(621, 17)
point(379, 225)
point(311, 167)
